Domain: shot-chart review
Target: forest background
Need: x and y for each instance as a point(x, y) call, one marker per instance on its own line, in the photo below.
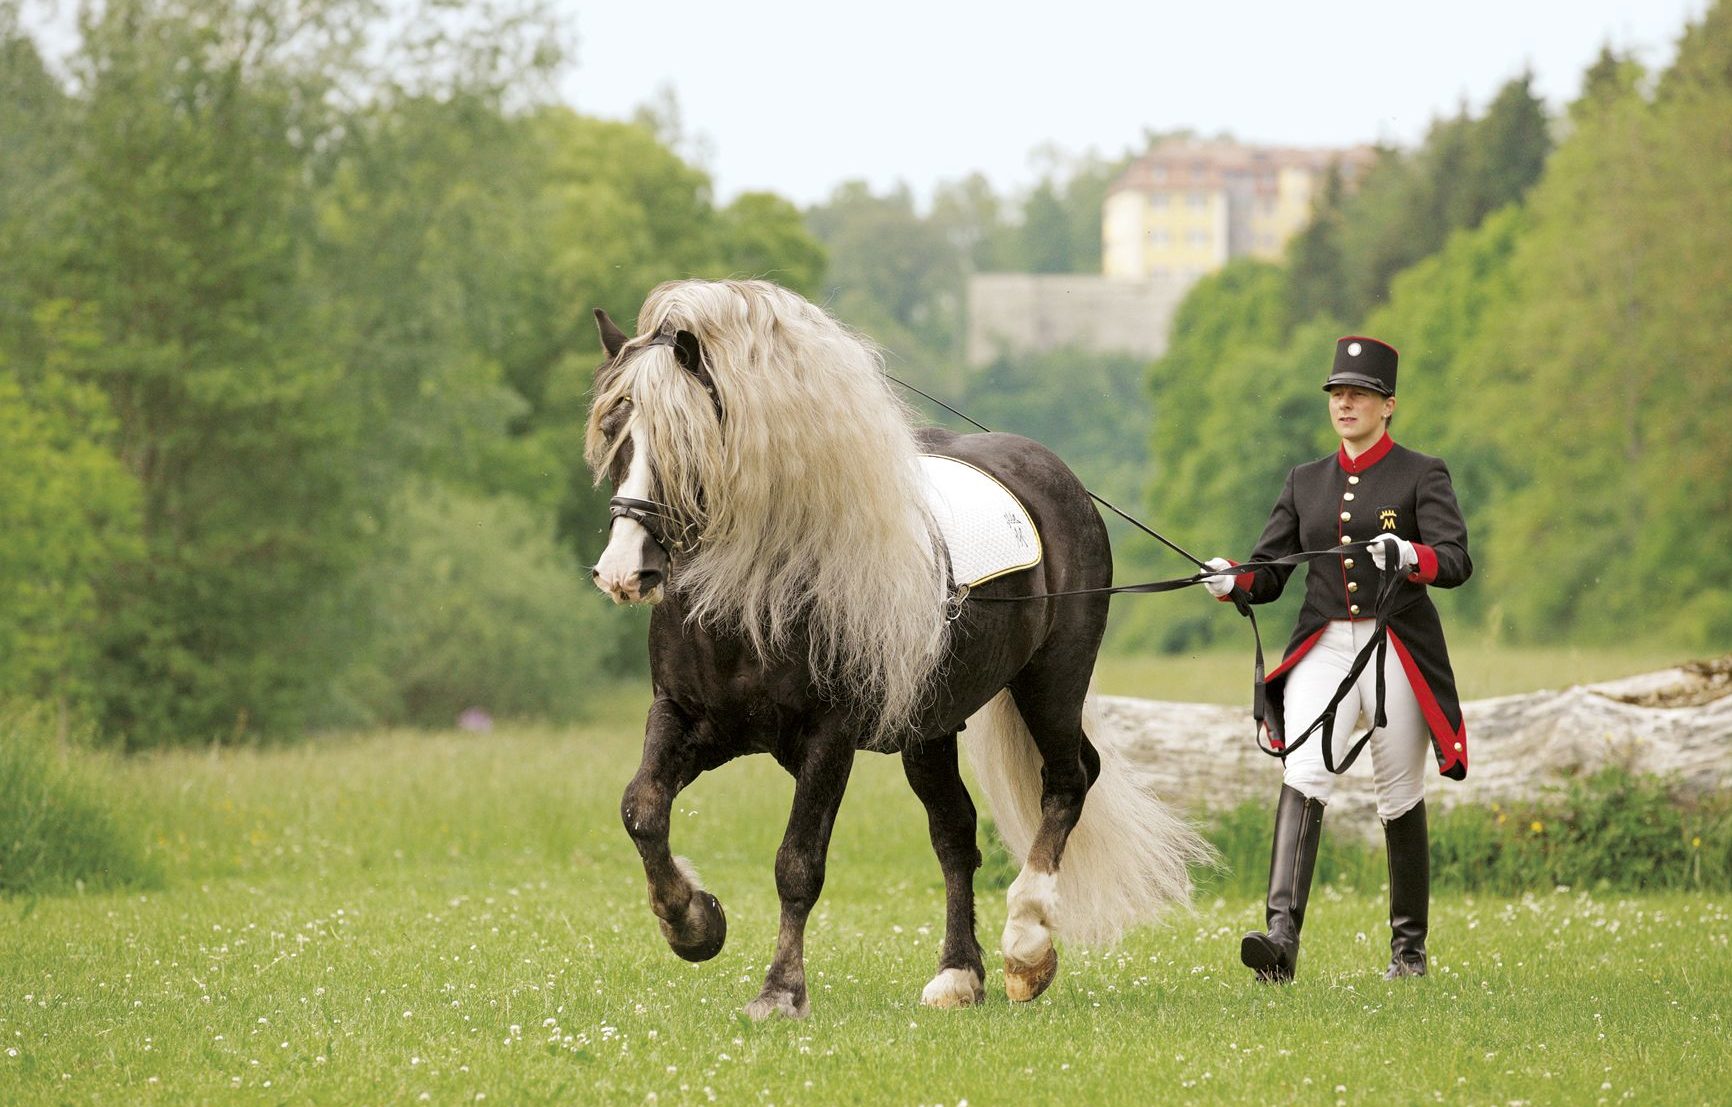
point(295, 341)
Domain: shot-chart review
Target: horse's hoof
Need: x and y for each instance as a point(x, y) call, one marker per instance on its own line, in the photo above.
point(778, 1003)
point(1023, 983)
point(704, 929)
point(954, 988)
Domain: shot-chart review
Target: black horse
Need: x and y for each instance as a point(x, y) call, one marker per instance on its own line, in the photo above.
point(769, 503)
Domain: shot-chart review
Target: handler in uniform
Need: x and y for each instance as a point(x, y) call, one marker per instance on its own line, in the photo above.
point(1370, 489)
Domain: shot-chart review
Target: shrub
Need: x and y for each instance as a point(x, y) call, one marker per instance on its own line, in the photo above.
point(57, 833)
point(471, 603)
point(1610, 831)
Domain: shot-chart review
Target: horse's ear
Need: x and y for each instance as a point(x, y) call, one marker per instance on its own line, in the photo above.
point(691, 358)
point(612, 338)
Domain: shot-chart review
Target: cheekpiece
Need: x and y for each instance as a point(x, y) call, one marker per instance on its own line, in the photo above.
point(1364, 363)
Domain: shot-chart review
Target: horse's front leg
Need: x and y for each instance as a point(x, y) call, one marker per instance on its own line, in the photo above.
point(691, 918)
point(818, 786)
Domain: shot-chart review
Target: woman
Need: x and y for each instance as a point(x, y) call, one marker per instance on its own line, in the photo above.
point(1370, 489)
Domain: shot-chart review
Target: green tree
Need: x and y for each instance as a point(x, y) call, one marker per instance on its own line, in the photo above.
point(764, 235)
point(193, 205)
point(1047, 244)
point(1618, 379)
point(1316, 265)
point(70, 511)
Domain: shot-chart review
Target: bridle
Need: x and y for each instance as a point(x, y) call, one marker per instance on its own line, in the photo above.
point(663, 525)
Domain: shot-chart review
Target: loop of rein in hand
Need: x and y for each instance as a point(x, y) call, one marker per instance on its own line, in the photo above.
point(1389, 578)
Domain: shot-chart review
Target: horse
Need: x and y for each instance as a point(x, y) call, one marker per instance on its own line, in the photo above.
point(768, 504)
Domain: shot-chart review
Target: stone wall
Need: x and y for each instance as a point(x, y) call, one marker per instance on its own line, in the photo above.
point(1033, 313)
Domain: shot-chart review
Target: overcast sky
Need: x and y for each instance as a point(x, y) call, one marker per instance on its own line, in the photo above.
point(795, 96)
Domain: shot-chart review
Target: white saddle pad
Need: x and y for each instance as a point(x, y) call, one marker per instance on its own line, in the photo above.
point(986, 529)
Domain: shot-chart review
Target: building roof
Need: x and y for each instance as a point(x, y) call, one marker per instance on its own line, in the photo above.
point(1193, 164)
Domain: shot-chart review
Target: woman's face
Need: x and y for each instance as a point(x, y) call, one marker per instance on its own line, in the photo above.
point(1358, 414)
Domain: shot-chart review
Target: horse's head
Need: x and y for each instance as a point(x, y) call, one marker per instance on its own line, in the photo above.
point(653, 524)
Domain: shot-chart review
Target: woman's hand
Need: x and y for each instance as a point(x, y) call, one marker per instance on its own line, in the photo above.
point(1381, 548)
point(1219, 587)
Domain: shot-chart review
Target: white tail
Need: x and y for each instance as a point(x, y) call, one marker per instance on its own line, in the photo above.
point(1129, 857)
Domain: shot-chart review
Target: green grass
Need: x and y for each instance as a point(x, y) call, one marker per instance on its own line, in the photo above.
point(1482, 670)
point(382, 918)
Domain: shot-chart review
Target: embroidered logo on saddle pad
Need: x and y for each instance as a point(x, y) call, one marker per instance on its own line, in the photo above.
point(985, 528)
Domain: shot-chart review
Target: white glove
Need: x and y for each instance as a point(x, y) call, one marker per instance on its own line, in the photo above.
point(1218, 586)
point(1383, 543)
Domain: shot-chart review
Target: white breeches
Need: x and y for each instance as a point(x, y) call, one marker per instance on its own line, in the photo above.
point(1398, 751)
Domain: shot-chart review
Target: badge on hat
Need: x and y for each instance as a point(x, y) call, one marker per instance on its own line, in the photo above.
point(1364, 363)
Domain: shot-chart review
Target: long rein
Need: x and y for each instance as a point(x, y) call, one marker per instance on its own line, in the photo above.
point(1389, 578)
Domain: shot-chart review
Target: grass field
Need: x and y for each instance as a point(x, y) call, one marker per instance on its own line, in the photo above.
point(460, 919)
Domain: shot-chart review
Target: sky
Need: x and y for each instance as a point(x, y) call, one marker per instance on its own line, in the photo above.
point(797, 97)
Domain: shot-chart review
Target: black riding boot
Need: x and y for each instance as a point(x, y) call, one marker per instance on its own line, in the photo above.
point(1409, 892)
point(1298, 829)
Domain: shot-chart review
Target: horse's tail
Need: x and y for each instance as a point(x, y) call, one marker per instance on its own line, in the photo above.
point(1129, 856)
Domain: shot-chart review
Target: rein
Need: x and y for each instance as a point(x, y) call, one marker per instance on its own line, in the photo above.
point(1389, 578)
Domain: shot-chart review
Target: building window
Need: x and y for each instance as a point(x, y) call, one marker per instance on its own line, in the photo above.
point(1197, 200)
point(1158, 199)
point(1198, 238)
point(1160, 237)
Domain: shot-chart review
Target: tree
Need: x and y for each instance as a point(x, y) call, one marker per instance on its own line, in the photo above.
point(1316, 264)
point(1618, 375)
point(763, 235)
point(71, 511)
point(193, 206)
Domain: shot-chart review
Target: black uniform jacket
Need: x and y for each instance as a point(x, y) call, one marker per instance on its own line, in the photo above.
point(1388, 489)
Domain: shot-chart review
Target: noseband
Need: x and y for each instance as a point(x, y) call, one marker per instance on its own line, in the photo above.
point(664, 528)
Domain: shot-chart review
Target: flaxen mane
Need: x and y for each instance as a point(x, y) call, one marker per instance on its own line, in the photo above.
point(807, 489)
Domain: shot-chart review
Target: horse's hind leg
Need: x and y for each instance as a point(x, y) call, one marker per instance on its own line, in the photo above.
point(691, 918)
point(932, 772)
point(822, 776)
point(1049, 695)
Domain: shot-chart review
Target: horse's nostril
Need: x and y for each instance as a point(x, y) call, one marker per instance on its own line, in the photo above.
point(648, 580)
point(595, 574)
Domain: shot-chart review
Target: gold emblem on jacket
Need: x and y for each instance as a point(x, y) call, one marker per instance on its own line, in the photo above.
point(1388, 516)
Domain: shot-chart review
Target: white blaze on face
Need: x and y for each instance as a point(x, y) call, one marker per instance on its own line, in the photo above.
point(616, 572)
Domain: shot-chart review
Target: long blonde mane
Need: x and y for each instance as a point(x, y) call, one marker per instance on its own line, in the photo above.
point(807, 491)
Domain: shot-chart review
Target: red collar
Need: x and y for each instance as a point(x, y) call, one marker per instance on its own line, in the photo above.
point(1367, 459)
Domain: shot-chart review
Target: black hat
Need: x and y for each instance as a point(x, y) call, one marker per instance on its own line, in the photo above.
point(1364, 363)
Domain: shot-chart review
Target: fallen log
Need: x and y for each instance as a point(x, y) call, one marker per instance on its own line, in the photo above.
point(1675, 723)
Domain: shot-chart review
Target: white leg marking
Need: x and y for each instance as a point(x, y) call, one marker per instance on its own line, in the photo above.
point(1033, 900)
point(954, 988)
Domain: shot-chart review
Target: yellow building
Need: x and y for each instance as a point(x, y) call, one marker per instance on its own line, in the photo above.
point(1189, 205)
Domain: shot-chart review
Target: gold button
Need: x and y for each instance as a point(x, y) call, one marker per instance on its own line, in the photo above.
point(1346, 515)
point(1347, 540)
point(1352, 480)
point(1353, 586)
point(1347, 496)
point(1354, 610)
point(1458, 747)
point(1347, 563)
